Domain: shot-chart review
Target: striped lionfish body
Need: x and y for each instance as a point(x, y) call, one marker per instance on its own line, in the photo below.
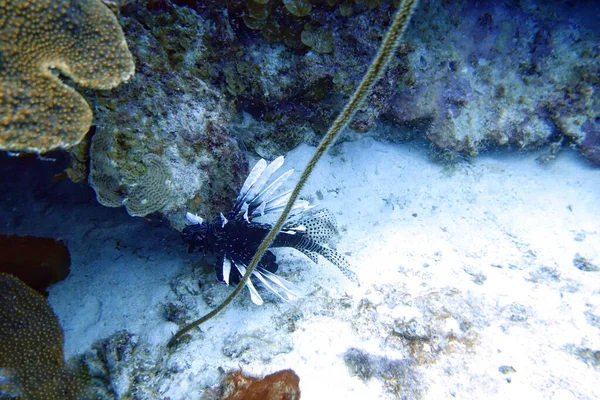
point(235, 237)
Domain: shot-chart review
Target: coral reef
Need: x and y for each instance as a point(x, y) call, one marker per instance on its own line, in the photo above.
point(110, 366)
point(504, 81)
point(31, 346)
point(149, 190)
point(121, 366)
point(589, 356)
point(502, 75)
point(38, 262)
point(443, 322)
point(40, 40)
point(217, 78)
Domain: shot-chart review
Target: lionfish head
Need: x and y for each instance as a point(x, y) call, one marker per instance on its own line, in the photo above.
point(196, 236)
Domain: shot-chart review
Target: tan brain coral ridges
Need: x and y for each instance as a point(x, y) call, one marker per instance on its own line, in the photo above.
point(80, 39)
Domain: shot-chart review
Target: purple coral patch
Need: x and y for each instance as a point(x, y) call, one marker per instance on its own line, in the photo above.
point(590, 146)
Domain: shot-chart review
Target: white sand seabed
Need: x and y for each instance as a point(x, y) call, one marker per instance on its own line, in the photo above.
point(480, 255)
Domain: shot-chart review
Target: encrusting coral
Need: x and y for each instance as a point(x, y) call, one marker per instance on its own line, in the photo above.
point(164, 113)
point(78, 38)
point(31, 346)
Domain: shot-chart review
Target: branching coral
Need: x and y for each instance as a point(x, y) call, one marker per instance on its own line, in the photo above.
point(81, 39)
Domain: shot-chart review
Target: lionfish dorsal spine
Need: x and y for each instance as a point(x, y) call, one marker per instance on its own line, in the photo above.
point(265, 194)
point(244, 212)
point(263, 178)
point(252, 178)
point(224, 220)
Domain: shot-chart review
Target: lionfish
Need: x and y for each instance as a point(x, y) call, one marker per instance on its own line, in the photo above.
point(235, 237)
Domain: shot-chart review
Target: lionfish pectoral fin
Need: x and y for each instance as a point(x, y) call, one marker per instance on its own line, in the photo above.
point(310, 254)
point(226, 270)
point(320, 225)
point(289, 291)
point(339, 261)
point(254, 296)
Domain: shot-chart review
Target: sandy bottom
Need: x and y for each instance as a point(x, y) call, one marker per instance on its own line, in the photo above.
point(478, 280)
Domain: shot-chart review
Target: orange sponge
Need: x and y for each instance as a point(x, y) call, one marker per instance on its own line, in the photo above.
point(37, 261)
point(281, 385)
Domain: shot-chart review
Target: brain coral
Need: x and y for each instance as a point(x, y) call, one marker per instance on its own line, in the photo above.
point(79, 38)
point(141, 193)
point(31, 345)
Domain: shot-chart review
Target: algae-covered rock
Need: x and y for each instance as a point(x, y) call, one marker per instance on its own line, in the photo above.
point(162, 142)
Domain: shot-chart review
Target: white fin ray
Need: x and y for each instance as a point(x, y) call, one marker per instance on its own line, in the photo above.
point(253, 176)
point(244, 212)
point(263, 196)
point(259, 184)
point(279, 200)
point(292, 292)
point(254, 296)
point(299, 206)
point(193, 218)
point(226, 270)
point(287, 295)
point(259, 211)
